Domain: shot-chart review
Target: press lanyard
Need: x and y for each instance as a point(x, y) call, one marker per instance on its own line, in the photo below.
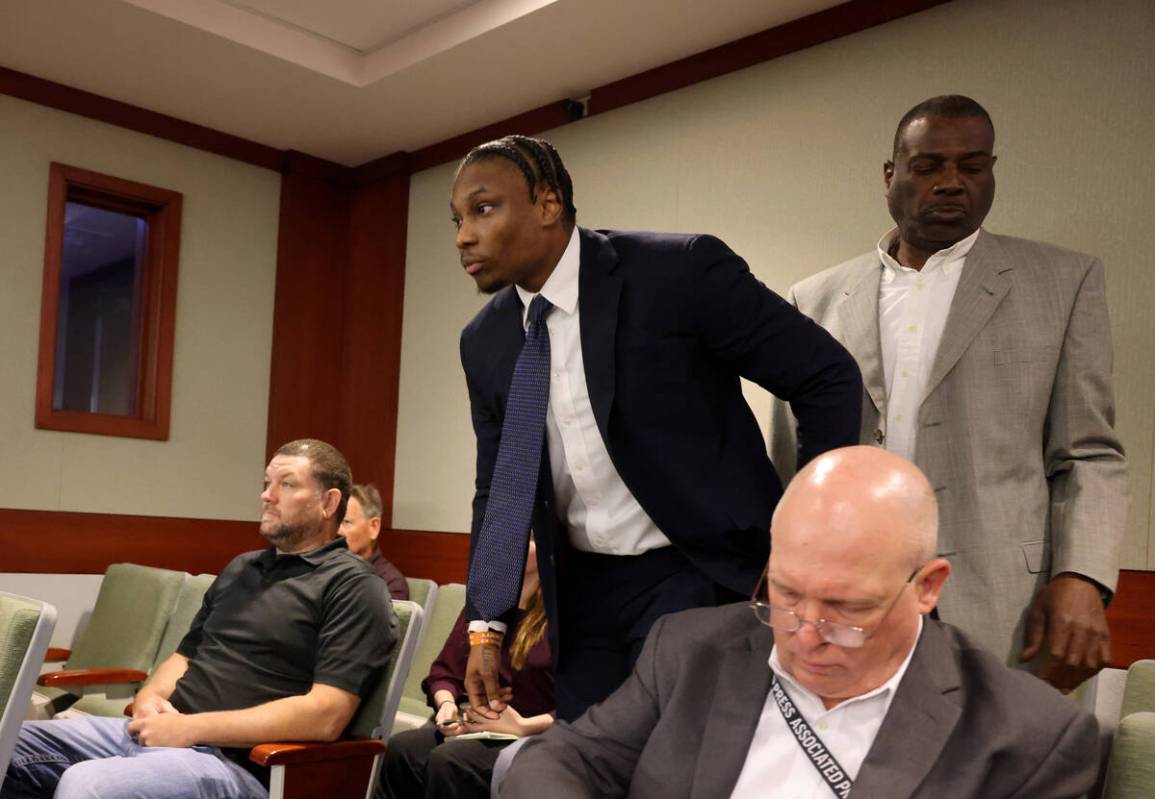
point(835, 776)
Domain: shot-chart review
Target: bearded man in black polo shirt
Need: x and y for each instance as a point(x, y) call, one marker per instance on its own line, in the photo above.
point(288, 642)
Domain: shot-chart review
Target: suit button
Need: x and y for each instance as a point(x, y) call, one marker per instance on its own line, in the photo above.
point(878, 436)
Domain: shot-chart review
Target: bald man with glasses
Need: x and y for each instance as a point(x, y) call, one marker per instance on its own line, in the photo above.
point(837, 684)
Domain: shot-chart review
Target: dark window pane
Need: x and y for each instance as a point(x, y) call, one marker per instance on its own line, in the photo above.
point(98, 333)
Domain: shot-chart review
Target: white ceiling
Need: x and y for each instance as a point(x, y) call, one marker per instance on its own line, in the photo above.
point(353, 80)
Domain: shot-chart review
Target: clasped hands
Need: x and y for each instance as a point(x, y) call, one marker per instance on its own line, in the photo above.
point(155, 722)
point(453, 720)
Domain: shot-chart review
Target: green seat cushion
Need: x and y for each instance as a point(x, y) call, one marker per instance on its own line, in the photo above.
point(1131, 773)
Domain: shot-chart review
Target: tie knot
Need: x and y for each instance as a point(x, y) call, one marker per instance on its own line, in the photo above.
point(538, 309)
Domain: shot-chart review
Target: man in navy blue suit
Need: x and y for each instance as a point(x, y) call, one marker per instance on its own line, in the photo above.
point(653, 491)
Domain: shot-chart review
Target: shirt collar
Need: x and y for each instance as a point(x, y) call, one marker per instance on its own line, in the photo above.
point(885, 690)
point(948, 260)
point(269, 557)
point(561, 287)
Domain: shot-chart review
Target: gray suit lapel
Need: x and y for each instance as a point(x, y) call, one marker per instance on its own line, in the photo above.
point(920, 721)
point(981, 288)
point(599, 290)
point(859, 313)
point(740, 689)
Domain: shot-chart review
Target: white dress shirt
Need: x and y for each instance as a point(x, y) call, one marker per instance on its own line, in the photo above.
point(913, 306)
point(777, 767)
point(599, 512)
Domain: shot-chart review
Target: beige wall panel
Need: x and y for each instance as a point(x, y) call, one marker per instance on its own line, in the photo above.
point(784, 162)
point(211, 465)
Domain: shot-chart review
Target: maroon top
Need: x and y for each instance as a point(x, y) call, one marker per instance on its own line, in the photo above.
point(532, 685)
point(398, 586)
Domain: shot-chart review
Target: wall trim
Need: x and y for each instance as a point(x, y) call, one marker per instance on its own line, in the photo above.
point(104, 109)
point(439, 556)
point(813, 29)
point(63, 542)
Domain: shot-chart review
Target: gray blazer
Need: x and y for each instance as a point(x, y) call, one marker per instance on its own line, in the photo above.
point(961, 724)
point(1016, 429)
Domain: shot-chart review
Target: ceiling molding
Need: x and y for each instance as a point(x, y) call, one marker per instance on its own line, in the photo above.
point(333, 59)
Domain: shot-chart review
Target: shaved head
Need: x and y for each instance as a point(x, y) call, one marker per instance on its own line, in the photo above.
point(890, 498)
point(853, 541)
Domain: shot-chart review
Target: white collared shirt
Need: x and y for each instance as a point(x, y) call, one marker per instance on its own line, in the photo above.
point(598, 510)
point(775, 764)
point(913, 306)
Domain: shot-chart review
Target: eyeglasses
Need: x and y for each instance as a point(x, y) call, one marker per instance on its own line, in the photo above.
point(833, 632)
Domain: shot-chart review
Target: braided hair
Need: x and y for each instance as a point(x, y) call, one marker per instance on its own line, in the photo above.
point(538, 161)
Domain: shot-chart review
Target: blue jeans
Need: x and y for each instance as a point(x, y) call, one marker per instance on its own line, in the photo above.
point(94, 758)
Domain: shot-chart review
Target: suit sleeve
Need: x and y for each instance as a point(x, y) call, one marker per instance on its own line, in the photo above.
point(595, 756)
point(783, 429)
point(487, 429)
point(1083, 457)
point(773, 344)
point(1071, 766)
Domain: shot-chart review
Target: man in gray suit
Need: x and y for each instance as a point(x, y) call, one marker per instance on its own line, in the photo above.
point(836, 683)
point(986, 360)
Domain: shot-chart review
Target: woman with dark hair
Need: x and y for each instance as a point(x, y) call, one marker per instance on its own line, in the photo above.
point(454, 757)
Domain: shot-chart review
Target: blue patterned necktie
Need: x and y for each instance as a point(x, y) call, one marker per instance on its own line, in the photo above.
point(499, 557)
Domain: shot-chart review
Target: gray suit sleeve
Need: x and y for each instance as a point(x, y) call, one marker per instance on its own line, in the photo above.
point(1083, 457)
point(595, 756)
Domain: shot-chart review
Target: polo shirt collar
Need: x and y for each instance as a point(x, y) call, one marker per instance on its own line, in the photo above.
point(314, 557)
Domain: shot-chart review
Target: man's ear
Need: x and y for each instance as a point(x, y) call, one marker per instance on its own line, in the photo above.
point(551, 208)
point(887, 173)
point(929, 586)
point(330, 501)
point(374, 528)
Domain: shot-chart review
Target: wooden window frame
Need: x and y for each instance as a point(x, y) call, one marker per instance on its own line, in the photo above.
point(158, 280)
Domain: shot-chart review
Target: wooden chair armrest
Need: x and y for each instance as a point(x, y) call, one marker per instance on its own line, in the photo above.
point(56, 654)
point(57, 679)
point(290, 753)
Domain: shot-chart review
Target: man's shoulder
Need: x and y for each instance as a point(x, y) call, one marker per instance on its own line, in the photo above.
point(242, 560)
point(1033, 258)
point(991, 687)
point(706, 628)
point(817, 289)
point(503, 301)
point(653, 246)
point(1014, 245)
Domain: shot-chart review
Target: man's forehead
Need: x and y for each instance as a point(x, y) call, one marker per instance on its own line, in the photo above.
point(287, 463)
point(936, 132)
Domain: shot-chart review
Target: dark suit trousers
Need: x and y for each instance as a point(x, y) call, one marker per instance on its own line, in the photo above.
point(419, 765)
point(607, 604)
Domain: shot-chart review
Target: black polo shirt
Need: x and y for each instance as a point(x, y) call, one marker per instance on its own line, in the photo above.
point(271, 626)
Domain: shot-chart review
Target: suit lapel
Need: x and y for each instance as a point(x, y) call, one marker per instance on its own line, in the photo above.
point(741, 687)
point(920, 721)
point(859, 313)
point(599, 290)
point(981, 288)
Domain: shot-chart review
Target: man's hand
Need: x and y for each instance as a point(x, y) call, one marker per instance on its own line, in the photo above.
point(145, 705)
point(1067, 629)
point(163, 729)
point(509, 723)
point(486, 697)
